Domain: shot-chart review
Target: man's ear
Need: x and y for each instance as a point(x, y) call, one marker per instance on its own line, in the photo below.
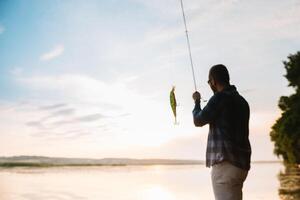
point(213, 82)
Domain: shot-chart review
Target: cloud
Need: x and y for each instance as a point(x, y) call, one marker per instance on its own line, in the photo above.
point(81, 119)
point(67, 128)
point(83, 89)
point(67, 111)
point(134, 112)
point(53, 106)
point(89, 118)
point(55, 52)
point(16, 71)
point(60, 113)
point(36, 124)
point(50, 121)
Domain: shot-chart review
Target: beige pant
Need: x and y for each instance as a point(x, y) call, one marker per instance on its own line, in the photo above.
point(227, 181)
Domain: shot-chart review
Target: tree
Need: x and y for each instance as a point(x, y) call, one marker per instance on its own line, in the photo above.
point(285, 132)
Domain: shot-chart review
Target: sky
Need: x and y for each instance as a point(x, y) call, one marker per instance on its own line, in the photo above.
point(92, 78)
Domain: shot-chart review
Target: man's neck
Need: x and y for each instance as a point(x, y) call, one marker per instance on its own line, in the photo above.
point(222, 87)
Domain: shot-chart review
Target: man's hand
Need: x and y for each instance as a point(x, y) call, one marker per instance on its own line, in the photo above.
point(196, 96)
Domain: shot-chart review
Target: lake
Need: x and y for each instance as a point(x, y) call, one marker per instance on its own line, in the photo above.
point(158, 182)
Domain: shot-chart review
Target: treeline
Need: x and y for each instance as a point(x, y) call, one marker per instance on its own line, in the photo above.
point(286, 131)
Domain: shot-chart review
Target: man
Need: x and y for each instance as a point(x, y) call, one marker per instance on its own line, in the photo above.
point(228, 148)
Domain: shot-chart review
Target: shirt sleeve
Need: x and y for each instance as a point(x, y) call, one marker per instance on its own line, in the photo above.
point(208, 113)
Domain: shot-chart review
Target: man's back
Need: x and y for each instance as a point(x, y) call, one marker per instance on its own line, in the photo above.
point(228, 116)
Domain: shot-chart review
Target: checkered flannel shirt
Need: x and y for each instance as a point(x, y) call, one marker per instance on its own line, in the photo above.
point(227, 114)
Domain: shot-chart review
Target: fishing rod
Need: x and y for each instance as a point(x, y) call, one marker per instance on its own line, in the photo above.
point(172, 94)
point(188, 44)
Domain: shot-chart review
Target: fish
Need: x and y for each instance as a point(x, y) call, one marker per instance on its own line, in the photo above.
point(173, 103)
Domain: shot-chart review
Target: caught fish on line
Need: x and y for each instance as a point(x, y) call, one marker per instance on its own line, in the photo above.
point(173, 104)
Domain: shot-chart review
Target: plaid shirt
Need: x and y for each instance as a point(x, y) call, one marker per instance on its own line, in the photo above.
point(227, 114)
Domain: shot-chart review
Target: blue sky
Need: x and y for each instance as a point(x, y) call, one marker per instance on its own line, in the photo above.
point(92, 78)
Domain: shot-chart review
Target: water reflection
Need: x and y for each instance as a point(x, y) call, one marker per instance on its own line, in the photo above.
point(156, 192)
point(290, 183)
point(187, 182)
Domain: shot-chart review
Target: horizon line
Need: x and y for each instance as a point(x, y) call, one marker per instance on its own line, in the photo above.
point(190, 159)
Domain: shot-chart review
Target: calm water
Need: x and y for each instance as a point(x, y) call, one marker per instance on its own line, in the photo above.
point(129, 183)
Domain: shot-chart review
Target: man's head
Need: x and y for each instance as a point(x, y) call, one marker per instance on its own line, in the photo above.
point(218, 77)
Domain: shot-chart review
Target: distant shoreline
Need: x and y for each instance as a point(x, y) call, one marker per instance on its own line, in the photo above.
point(10, 165)
point(42, 161)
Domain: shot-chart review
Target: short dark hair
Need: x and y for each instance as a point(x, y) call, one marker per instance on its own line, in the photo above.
point(219, 73)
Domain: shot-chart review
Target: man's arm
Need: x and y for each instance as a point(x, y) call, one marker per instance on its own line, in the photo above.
point(197, 109)
point(207, 114)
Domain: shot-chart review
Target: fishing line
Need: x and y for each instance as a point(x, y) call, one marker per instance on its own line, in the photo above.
point(188, 44)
